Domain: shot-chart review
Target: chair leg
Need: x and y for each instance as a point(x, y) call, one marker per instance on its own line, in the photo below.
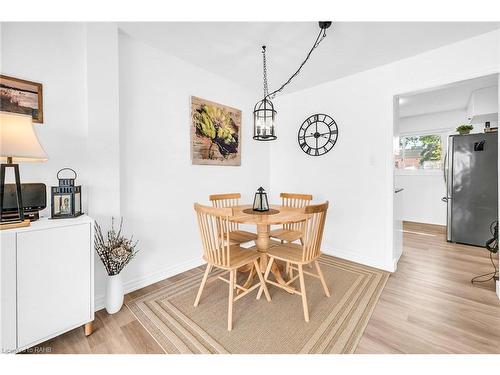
point(303, 293)
point(203, 282)
point(266, 275)
point(231, 300)
point(262, 282)
point(322, 279)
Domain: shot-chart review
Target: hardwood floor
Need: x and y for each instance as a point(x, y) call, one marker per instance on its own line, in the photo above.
point(427, 306)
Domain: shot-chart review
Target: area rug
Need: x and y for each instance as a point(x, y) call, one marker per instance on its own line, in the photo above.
point(336, 323)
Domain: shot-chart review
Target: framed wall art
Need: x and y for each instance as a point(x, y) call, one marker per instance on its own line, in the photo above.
point(21, 96)
point(215, 133)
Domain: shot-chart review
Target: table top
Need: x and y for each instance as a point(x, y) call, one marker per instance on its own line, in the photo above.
point(286, 215)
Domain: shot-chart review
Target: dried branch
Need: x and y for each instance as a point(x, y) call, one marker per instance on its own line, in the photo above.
point(115, 251)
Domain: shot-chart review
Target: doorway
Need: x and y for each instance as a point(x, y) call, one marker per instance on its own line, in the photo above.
point(424, 124)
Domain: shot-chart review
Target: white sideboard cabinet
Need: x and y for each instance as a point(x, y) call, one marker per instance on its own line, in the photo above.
point(46, 281)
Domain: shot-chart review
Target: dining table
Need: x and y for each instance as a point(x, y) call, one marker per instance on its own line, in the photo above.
point(277, 215)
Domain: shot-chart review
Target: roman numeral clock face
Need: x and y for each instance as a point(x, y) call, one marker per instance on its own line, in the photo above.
point(318, 134)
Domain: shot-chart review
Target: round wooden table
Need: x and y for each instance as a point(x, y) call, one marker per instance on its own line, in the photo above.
point(286, 215)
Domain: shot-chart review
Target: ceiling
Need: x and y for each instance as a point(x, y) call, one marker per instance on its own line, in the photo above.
point(445, 98)
point(233, 49)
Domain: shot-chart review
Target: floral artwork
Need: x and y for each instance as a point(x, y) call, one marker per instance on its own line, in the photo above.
point(215, 133)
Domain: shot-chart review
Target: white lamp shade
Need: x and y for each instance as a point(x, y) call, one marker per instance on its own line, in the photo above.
point(18, 139)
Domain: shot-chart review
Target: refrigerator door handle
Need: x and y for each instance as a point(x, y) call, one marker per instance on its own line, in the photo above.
point(445, 169)
point(448, 180)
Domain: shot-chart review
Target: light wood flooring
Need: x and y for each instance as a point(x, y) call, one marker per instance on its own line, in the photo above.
point(427, 306)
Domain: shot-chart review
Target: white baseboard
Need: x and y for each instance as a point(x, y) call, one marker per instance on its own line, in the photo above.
point(357, 258)
point(143, 281)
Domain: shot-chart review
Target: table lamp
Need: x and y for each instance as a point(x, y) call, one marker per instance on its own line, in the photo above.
point(18, 143)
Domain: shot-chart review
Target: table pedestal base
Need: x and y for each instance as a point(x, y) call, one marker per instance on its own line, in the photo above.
point(263, 244)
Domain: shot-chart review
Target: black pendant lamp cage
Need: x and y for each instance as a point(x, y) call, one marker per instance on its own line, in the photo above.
point(264, 114)
point(263, 121)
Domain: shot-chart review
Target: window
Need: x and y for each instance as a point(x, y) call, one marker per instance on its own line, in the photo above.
point(420, 152)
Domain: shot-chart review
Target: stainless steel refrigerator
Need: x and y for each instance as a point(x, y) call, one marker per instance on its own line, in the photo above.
point(471, 178)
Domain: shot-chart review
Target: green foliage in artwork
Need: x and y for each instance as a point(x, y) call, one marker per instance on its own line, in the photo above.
point(217, 125)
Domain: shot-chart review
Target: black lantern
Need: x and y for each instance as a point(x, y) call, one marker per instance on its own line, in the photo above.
point(263, 121)
point(260, 202)
point(66, 198)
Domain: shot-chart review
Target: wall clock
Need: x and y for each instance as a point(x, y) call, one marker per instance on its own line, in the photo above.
point(318, 134)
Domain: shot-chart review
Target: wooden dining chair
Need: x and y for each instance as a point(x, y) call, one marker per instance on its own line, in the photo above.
point(292, 231)
point(299, 255)
point(230, 200)
point(218, 252)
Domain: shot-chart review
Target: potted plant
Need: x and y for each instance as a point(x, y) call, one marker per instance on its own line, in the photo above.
point(115, 251)
point(464, 129)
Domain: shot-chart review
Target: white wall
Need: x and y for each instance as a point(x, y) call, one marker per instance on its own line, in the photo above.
point(357, 175)
point(158, 183)
point(103, 119)
point(423, 189)
point(103, 138)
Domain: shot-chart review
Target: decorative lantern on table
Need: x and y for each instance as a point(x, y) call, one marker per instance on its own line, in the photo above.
point(260, 202)
point(66, 198)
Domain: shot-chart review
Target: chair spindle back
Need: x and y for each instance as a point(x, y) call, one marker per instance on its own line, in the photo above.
point(295, 201)
point(214, 230)
point(313, 230)
point(226, 200)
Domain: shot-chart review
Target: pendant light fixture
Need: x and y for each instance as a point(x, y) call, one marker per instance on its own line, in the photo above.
point(264, 114)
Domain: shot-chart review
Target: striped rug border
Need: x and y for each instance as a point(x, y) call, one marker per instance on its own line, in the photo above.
point(322, 341)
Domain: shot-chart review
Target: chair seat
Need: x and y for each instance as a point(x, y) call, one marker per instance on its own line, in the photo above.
point(288, 252)
point(239, 257)
point(286, 235)
point(241, 236)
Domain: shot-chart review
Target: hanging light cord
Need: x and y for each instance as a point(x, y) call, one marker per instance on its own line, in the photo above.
point(490, 275)
point(267, 95)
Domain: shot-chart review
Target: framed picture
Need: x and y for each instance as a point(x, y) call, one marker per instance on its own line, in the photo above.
point(215, 133)
point(21, 96)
